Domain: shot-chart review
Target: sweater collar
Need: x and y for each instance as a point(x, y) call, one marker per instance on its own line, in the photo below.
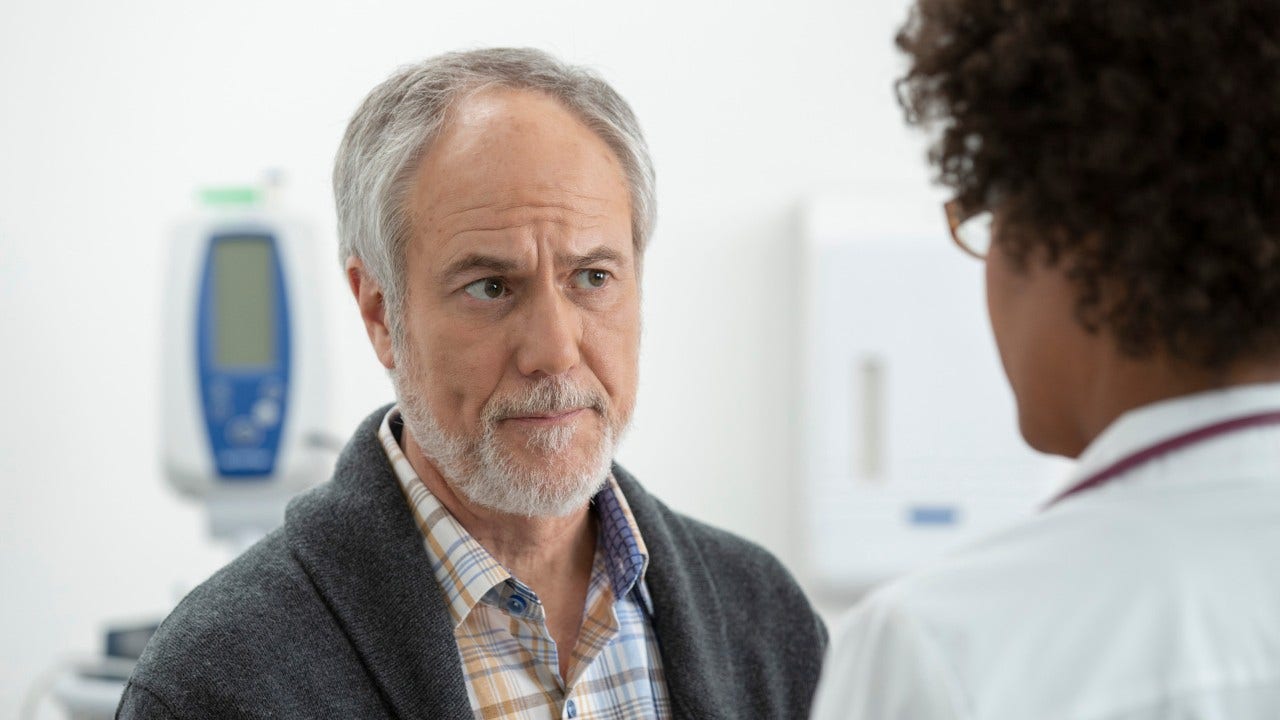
point(358, 543)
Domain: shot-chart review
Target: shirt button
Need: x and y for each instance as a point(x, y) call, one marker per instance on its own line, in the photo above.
point(517, 604)
point(571, 709)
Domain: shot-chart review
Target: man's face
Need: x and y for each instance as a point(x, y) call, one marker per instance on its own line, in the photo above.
point(518, 363)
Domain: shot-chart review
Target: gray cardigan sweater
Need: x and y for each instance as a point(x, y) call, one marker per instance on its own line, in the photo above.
point(338, 615)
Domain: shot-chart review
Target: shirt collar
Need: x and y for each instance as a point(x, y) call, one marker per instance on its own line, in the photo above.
point(626, 556)
point(1145, 426)
point(467, 572)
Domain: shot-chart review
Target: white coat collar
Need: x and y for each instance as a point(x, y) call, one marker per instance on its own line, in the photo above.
point(1148, 425)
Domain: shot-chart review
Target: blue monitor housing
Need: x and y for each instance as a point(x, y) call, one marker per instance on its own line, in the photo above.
point(243, 348)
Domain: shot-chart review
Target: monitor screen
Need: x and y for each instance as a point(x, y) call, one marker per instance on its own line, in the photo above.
point(244, 302)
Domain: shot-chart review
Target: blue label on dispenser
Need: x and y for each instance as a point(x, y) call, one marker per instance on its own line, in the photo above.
point(934, 515)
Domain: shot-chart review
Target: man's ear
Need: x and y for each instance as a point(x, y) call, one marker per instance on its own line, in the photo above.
point(373, 310)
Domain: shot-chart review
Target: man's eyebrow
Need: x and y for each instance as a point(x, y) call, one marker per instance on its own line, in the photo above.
point(475, 261)
point(597, 254)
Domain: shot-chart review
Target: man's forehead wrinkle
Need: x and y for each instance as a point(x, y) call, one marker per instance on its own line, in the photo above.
point(534, 229)
point(488, 215)
point(528, 234)
point(561, 196)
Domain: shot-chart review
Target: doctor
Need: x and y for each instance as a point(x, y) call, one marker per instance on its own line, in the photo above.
point(1117, 166)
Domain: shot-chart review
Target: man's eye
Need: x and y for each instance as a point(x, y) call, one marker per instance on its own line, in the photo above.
point(587, 279)
point(486, 289)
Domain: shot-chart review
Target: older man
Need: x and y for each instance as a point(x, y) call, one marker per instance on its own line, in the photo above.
point(476, 553)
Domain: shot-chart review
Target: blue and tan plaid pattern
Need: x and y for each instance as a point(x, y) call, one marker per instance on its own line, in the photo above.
point(508, 656)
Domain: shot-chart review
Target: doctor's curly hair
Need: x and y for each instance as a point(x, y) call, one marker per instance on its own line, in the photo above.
point(1139, 141)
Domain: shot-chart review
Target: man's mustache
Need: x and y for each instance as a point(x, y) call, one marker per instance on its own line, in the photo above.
point(549, 396)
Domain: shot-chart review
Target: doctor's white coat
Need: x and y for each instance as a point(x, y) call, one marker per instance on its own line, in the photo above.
point(1153, 597)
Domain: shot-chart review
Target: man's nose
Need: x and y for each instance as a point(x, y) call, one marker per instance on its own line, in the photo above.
point(549, 335)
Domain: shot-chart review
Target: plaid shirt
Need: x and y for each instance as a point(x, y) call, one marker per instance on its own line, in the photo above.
point(508, 656)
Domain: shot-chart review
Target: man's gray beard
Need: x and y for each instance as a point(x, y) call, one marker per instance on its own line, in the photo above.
point(485, 473)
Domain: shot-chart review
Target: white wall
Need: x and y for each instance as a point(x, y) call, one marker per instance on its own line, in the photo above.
point(112, 113)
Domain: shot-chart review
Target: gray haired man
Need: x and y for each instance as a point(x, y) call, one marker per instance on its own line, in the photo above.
point(477, 553)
